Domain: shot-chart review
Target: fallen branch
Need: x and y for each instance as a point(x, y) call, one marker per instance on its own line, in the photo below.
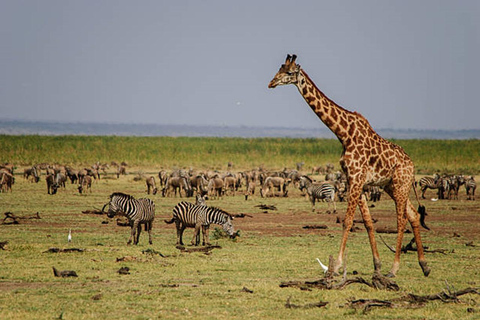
point(361, 220)
point(14, 218)
point(266, 207)
point(205, 249)
point(3, 244)
point(124, 270)
point(389, 230)
point(410, 247)
point(320, 304)
point(94, 211)
point(153, 252)
point(316, 226)
point(448, 295)
point(245, 289)
point(126, 259)
point(242, 215)
point(176, 285)
point(368, 304)
point(57, 250)
point(64, 274)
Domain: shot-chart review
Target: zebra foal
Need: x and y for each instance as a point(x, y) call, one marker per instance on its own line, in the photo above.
point(189, 215)
point(138, 212)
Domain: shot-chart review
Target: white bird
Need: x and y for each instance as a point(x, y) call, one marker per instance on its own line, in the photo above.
point(69, 235)
point(324, 267)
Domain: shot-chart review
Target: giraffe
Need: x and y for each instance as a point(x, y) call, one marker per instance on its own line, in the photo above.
point(367, 159)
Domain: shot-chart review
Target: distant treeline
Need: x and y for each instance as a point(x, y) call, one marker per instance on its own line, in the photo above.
point(445, 156)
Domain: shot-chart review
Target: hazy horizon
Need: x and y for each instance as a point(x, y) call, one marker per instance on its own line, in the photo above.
point(22, 127)
point(401, 64)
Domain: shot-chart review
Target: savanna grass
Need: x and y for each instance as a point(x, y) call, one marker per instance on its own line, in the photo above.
point(429, 156)
point(199, 286)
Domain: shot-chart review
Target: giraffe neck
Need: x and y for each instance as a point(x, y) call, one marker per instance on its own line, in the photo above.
point(335, 117)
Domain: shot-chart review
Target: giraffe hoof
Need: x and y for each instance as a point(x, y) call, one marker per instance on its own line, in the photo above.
point(390, 275)
point(426, 270)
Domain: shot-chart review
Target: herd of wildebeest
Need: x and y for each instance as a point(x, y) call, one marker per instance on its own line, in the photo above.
point(215, 184)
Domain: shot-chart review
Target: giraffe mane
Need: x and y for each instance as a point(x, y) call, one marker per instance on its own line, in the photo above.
point(322, 94)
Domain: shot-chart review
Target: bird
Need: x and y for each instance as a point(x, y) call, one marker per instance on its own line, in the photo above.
point(324, 267)
point(69, 235)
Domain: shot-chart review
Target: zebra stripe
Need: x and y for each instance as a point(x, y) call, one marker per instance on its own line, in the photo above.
point(189, 215)
point(324, 191)
point(138, 212)
point(431, 183)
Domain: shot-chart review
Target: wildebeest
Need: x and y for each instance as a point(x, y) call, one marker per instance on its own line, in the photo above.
point(177, 183)
point(274, 183)
point(86, 184)
point(151, 185)
point(32, 172)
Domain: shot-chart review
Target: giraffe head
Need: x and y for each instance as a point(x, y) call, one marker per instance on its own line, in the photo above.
point(288, 73)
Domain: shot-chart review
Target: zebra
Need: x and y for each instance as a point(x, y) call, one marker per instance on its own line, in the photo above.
point(431, 183)
point(138, 212)
point(324, 191)
point(189, 215)
point(454, 183)
point(470, 186)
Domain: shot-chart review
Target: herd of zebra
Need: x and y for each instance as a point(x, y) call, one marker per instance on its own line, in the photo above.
point(185, 215)
point(448, 186)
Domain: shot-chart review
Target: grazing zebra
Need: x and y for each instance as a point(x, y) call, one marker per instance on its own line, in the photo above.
point(138, 212)
point(431, 183)
point(470, 186)
point(324, 191)
point(189, 215)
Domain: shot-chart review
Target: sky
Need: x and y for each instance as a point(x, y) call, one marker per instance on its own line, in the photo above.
point(402, 64)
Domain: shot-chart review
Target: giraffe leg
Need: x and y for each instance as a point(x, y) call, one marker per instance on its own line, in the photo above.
point(367, 221)
point(353, 198)
point(401, 222)
point(414, 219)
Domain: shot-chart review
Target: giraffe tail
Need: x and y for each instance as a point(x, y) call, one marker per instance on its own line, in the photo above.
point(421, 209)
